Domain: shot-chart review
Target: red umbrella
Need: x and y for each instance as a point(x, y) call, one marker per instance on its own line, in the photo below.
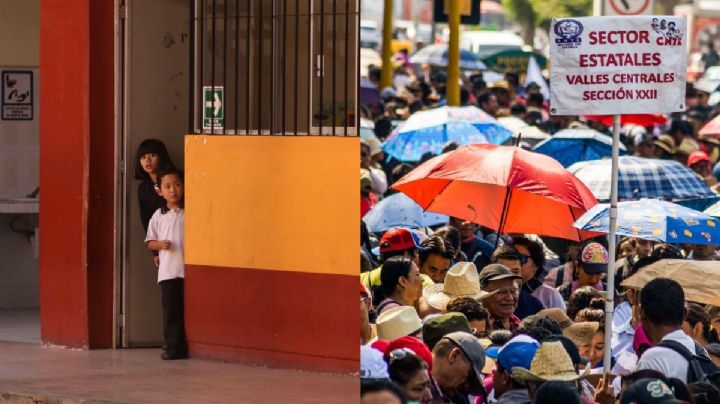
point(636, 119)
point(506, 188)
point(711, 129)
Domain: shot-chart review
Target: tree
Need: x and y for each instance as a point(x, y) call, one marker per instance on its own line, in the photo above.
point(524, 14)
point(539, 13)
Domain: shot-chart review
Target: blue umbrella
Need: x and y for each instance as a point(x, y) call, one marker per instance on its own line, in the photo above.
point(569, 146)
point(429, 131)
point(398, 210)
point(642, 178)
point(656, 220)
point(437, 55)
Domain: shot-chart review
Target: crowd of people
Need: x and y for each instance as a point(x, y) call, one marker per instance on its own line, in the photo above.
point(457, 313)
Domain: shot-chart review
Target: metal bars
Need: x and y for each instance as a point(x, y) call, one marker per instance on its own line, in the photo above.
point(274, 67)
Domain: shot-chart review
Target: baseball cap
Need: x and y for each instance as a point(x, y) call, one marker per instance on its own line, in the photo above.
point(398, 239)
point(415, 345)
point(594, 258)
point(519, 351)
point(474, 351)
point(496, 272)
point(437, 327)
point(696, 157)
point(648, 391)
point(372, 364)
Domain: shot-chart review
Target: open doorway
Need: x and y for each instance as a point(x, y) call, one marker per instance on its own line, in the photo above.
point(19, 166)
point(153, 98)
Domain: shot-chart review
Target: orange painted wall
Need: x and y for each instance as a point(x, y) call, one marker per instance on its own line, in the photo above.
point(271, 250)
point(272, 202)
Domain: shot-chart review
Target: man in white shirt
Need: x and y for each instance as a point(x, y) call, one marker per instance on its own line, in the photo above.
point(662, 311)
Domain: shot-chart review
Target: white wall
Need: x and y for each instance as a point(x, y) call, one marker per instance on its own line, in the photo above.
point(19, 156)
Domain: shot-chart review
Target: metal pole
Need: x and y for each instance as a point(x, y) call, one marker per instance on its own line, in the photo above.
point(387, 66)
point(452, 88)
point(609, 303)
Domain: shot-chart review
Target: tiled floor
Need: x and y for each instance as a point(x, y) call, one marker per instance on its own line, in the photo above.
point(140, 376)
point(20, 325)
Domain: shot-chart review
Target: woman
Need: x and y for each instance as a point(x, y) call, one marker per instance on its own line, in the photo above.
point(410, 372)
point(593, 259)
point(401, 283)
point(532, 259)
point(697, 325)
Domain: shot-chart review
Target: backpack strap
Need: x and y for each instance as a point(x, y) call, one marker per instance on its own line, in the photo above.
point(695, 372)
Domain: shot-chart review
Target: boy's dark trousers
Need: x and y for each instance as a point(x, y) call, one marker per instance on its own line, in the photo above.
point(173, 292)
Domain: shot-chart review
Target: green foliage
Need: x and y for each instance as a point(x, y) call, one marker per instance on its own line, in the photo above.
point(541, 12)
point(520, 10)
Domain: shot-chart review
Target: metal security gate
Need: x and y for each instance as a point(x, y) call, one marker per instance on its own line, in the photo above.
point(274, 67)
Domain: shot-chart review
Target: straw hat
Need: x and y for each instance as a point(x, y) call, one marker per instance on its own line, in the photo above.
point(581, 333)
point(551, 362)
point(398, 322)
point(461, 280)
point(558, 315)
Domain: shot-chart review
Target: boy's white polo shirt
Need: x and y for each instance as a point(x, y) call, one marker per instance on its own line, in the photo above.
point(169, 226)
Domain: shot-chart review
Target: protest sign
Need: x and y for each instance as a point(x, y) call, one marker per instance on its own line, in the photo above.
point(617, 65)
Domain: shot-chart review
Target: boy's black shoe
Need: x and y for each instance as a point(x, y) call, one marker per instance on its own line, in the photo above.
point(167, 357)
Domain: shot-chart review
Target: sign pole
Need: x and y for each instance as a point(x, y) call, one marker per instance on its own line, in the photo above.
point(610, 303)
point(386, 78)
point(453, 74)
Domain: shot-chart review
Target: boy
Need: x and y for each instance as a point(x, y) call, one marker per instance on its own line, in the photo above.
point(165, 235)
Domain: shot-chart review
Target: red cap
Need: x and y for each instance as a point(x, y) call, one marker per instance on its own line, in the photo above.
point(398, 239)
point(414, 345)
point(696, 157)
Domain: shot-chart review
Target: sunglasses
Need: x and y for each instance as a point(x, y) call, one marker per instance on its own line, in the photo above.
point(400, 353)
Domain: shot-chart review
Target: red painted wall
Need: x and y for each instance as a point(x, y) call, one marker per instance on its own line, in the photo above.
point(76, 173)
point(273, 318)
point(101, 209)
point(64, 135)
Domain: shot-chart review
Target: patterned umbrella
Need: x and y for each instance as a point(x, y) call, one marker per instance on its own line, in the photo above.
point(436, 55)
point(569, 146)
point(656, 220)
point(398, 210)
point(642, 178)
point(505, 188)
point(429, 131)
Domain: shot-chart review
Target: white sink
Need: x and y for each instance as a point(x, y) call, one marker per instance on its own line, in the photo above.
point(19, 205)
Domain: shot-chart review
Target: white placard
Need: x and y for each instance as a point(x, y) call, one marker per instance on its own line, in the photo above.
point(617, 65)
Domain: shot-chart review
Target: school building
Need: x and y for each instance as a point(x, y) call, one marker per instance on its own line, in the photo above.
point(257, 101)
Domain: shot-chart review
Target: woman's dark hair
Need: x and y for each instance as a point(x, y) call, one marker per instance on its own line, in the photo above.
point(392, 270)
point(435, 245)
point(471, 308)
point(696, 314)
point(538, 327)
point(365, 263)
point(662, 301)
point(535, 250)
point(590, 314)
point(712, 311)
point(451, 236)
point(402, 370)
point(557, 392)
point(642, 374)
point(666, 251)
point(500, 337)
point(376, 385)
point(151, 146)
point(580, 299)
